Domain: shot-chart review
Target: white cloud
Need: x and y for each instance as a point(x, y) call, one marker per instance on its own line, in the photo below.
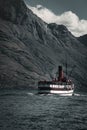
point(69, 19)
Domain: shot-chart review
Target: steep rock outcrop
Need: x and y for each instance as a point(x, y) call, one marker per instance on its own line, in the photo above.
point(83, 39)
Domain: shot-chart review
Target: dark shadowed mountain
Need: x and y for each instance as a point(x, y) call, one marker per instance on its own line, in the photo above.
point(83, 39)
point(31, 50)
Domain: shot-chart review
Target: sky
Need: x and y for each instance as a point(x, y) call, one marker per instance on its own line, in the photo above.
point(71, 13)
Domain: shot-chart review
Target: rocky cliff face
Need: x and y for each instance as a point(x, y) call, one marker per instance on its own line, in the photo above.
point(13, 10)
point(31, 50)
point(83, 39)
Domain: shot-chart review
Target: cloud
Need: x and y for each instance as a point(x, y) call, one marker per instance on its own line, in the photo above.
point(77, 26)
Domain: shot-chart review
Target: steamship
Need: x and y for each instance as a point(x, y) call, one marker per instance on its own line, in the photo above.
point(60, 85)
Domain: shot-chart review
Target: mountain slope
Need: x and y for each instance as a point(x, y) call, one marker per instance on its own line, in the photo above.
point(31, 50)
point(83, 39)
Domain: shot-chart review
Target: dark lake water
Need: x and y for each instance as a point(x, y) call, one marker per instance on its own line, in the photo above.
point(26, 110)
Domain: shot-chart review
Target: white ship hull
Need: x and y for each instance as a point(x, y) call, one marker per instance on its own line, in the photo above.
point(62, 90)
point(60, 93)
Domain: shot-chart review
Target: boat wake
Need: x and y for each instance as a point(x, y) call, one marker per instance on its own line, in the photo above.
point(31, 94)
point(50, 94)
point(77, 94)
